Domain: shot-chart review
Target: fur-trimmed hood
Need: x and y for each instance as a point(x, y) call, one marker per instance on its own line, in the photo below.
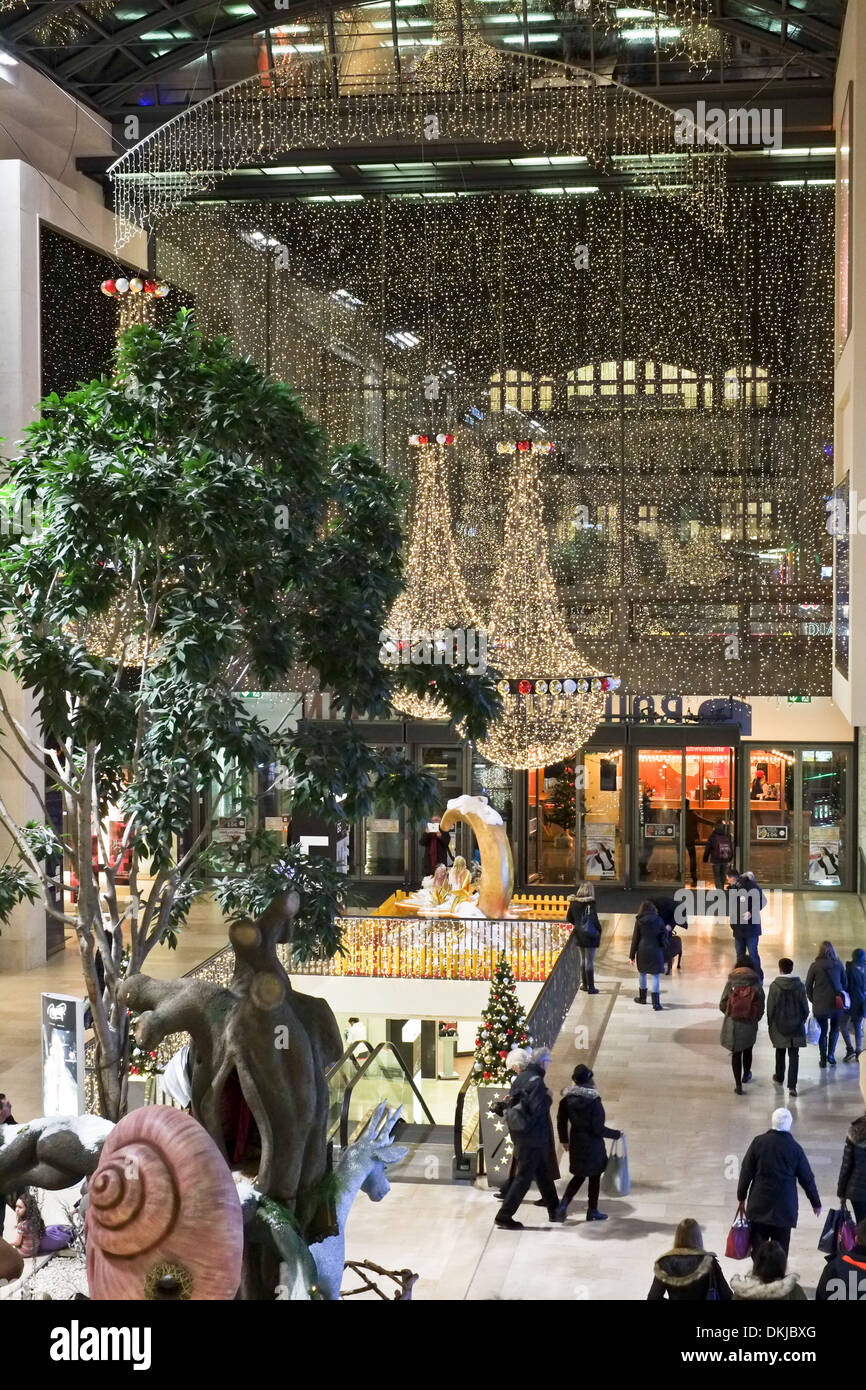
point(857, 1133)
point(586, 1092)
point(680, 1268)
point(748, 1287)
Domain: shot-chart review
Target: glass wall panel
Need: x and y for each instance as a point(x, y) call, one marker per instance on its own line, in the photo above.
point(825, 844)
point(602, 854)
point(709, 804)
point(772, 827)
point(550, 825)
point(659, 816)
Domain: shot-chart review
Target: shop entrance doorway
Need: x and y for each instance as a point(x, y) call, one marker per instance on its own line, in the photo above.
point(682, 796)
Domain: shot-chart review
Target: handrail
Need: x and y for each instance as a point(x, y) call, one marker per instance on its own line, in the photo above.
point(344, 1111)
point(543, 1022)
point(347, 1055)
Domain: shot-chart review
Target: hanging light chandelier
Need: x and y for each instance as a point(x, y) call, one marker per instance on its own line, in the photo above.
point(434, 601)
point(552, 699)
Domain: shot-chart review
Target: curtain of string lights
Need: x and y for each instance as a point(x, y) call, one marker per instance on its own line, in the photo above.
point(683, 380)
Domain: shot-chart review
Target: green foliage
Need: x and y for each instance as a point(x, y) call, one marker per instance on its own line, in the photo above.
point(197, 539)
point(258, 869)
point(503, 1027)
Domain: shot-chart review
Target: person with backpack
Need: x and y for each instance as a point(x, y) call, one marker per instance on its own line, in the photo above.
point(719, 852)
point(742, 1003)
point(855, 971)
point(527, 1114)
point(648, 942)
point(583, 917)
point(767, 1189)
point(787, 1011)
point(745, 901)
point(827, 988)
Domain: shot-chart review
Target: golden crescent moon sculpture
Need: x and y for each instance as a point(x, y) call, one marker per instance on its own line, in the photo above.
point(497, 867)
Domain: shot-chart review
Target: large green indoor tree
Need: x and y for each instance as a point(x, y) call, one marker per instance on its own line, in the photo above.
point(196, 539)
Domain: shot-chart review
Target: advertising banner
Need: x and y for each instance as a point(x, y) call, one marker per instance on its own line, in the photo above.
point(62, 1055)
point(824, 853)
point(600, 851)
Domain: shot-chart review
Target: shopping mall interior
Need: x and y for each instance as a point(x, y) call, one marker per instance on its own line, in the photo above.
point(430, 564)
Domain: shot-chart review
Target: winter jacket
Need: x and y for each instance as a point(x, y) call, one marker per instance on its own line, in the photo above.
point(773, 1165)
point(844, 1278)
point(684, 1276)
point(745, 901)
point(713, 848)
point(648, 943)
point(787, 1289)
point(786, 997)
point(740, 1033)
point(852, 1174)
point(826, 978)
point(529, 1089)
point(669, 910)
point(856, 977)
point(580, 1125)
point(584, 918)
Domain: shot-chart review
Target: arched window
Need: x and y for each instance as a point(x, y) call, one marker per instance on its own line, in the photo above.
point(668, 384)
point(747, 385)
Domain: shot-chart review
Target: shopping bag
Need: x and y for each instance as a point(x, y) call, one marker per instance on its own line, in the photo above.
point(813, 1030)
point(739, 1242)
point(615, 1180)
point(838, 1231)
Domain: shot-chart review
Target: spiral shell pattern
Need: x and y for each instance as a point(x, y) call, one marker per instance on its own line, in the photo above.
point(134, 1199)
point(162, 1196)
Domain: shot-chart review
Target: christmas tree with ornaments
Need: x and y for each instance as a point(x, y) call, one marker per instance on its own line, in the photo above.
point(503, 1027)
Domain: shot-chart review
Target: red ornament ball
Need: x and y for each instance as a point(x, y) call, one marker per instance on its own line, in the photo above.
point(108, 287)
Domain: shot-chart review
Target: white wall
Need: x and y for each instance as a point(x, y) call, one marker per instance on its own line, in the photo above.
point(407, 998)
point(43, 133)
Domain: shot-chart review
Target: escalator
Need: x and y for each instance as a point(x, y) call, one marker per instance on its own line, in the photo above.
point(363, 1078)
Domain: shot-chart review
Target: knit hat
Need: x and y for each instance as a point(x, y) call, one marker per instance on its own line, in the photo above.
point(581, 1076)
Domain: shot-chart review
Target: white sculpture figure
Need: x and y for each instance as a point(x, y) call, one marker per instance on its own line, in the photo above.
point(360, 1168)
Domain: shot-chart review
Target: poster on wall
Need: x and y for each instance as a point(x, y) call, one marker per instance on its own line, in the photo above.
point(841, 583)
point(600, 851)
point(824, 855)
point(62, 1055)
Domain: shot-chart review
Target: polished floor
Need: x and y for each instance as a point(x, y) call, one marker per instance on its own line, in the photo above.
point(664, 1080)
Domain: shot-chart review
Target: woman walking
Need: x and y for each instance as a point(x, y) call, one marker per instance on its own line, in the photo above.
point(580, 1125)
point(855, 972)
point(851, 1186)
point(827, 986)
point(787, 1011)
point(587, 928)
point(742, 1003)
point(688, 1273)
point(648, 952)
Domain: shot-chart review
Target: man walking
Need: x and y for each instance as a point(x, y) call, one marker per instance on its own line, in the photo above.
point(527, 1113)
point(745, 900)
point(773, 1165)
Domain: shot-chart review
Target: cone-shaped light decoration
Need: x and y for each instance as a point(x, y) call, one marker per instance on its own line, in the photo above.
point(533, 645)
point(435, 595)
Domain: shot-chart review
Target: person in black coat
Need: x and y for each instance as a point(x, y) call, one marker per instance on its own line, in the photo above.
point(825, 984)
point(648, 942)
point(688, 1272)
point(855, 971)
point(587, 928)
point(527, 1112)
point(851, 1186)
point(773, 1165)
point(719, 851)
point(745, 901)
point(437, 847)
point(673, 914)
point(844, 1276)
point(580, 1125)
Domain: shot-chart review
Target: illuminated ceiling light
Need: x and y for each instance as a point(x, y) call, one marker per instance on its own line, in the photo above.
point(434, 598)
point(648, 35)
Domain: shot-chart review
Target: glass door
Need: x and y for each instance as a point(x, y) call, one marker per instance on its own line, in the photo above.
point(709, 806)
point(659, 816)
point(445, 762)
point(600, 817)
point(550, 824)
point(825, 815)
point(771, 818)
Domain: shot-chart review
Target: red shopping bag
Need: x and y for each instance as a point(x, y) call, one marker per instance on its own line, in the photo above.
point(739, 1242)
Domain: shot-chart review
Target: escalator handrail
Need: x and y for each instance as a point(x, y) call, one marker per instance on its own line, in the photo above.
point(347, 1094)
point(347, 1055)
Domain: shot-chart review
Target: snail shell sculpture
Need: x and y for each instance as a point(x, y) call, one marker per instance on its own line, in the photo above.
point(163, 1215)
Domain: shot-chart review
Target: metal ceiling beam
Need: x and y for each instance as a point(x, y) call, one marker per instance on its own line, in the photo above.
point(799, 19)
point(174, 13)
point(115, 91)
point(33, 18)
point(816, 61)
